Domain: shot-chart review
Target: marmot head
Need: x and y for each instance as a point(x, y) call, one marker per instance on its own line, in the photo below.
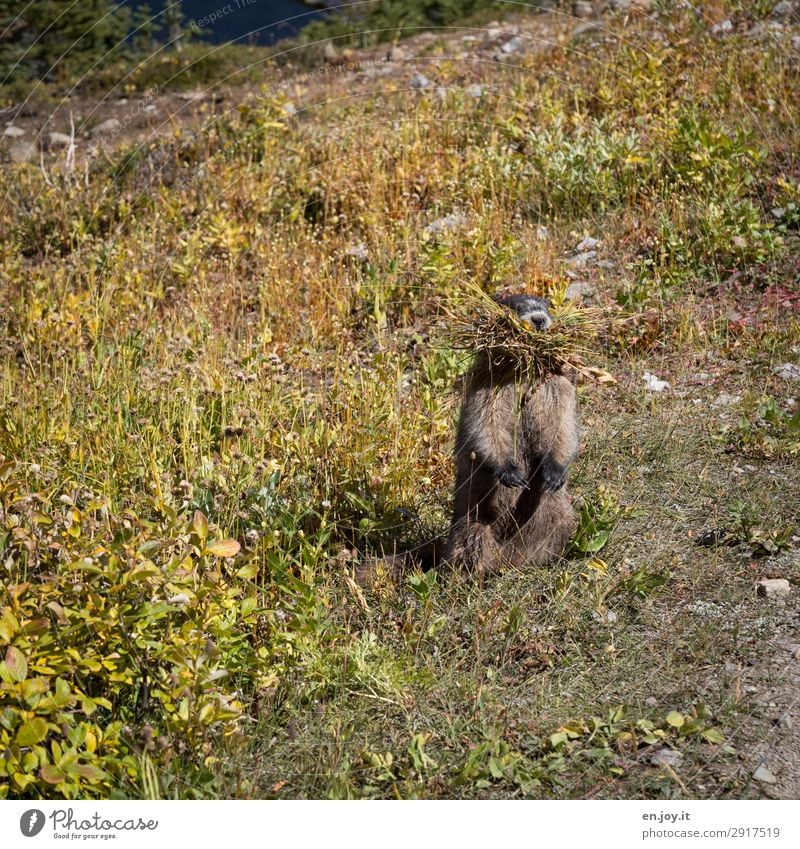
point(529, 308)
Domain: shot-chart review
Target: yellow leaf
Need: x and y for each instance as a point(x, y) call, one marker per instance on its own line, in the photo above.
point(223, 548)
point(675, 719)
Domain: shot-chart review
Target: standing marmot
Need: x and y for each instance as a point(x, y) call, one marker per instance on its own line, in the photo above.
point(514, 443)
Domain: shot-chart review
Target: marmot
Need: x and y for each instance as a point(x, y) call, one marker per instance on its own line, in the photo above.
point(513, 446)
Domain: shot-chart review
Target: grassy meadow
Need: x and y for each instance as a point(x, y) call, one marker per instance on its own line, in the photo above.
point(224, 385)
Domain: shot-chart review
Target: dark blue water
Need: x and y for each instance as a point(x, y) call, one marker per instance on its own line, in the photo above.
point(245, 21)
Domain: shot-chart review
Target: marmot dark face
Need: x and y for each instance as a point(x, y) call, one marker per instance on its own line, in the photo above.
point(529, 308)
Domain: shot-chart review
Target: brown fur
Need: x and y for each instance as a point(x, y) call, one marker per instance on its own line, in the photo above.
point(534, 428)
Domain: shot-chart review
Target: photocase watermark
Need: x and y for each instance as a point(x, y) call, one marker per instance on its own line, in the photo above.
point(31, 822)
point(212, 17)
point(66, 826)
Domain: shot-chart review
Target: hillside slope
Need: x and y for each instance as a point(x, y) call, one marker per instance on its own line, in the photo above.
point(224, 386)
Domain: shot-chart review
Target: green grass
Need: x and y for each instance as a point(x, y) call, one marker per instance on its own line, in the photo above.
point(187, 338)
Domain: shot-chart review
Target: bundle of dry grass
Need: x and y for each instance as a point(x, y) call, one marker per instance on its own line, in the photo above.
point(482, 326)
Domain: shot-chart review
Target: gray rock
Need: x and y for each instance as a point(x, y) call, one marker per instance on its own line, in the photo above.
point(666, 757)
point(586, 28)
point(582, 9)
point(796, 42)
point(630, 5)
point(13, 132)
point(725, 400)
point(774, 588)
point(514, 45)
point(420, 81)
point(24, 152)
point(579, 291)
point(651, 701)
point(587, 244)
point(191, 96)
point(785, 9)
point(60, 140)
point(330, 53)
point(110, 125)
point(653, 383)
point(584, 258)
point(763, 775)
point(475, 91)
point(396, 54)
point(787, 371)
point(723, 28)
point(150, 108)
point(784, 722)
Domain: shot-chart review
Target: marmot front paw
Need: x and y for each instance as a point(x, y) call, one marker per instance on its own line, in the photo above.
point(511, 475)
point(554, 475)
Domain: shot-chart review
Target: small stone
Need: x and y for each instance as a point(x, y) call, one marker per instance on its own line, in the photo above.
point(13, 132)
point(25, 152)
point(290, 109)
point(396, 54)
point(583, 258)
point(581, 9)
point(542, 233)
point(784, 721)
point(475, 91)
point(666, 757)
point(796, 42)
point(723, 28)
point(191, 96)
point(420, 81)
point(651, 702)
point(587, 244)
point(784, 9)
point(725, 400)
point(631, 5)
point(778, 212)
point(763, 775)
point(787, 371)
point(330, 53)
point(110, 125)
point(579, 291)
point(514, 45)
point(150, 108)
point(60, 140)
point(773, 588)
point(653, 383)
point(586, 28)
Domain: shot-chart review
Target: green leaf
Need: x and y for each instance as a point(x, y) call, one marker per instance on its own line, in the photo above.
point(713, 735)
point(32, 732)
point(248, 572)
